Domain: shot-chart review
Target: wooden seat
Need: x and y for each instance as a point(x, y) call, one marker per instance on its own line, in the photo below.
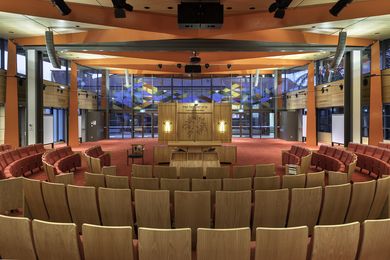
point(239, 184)
point(83, 205)
point(243, 171)
point(192, 210)
point(64, 178)
point(35, 206)
point(173, 185)
point(135, 152)
point(94, 179)
point(164, 244)
point(142, 171)
point(375, 243)
point(337, 178)
point(335, 206)
point(117, 182)
point(152, 208)
point(106, 243)
point(223, 244)
point(16, 238)
point(315, 179)
point(109, 170)
point(361, 200)
point(144, 184)
point(266, 183)
point(380, 198)
point(281, 243)
point(166, 172)
point(56, 240)
point(270, 209)
point(232, 209)
point(56, 202)
point(265, 170)
point(191, 172)
point(294, 181)
point(115, 207)
point(336, 242)
point(211, 185)
point(217, 172)
point(305, 207)
point(11, 194)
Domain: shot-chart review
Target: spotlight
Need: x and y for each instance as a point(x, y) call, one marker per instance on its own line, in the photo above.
point(159, 66)
point(296, 95)
point(279, 7)
point(207, 65)
point(178, 66)
point(272, 8)
point(279, 13)
point(341, 86)
point(229, 66)
point(120, 7)
point(62, 6)
point(340, 5)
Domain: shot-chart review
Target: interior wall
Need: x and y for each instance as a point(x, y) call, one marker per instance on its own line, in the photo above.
point(2, 124)
point(289, 125)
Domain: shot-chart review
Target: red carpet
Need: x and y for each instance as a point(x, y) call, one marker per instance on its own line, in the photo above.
point(249, 151)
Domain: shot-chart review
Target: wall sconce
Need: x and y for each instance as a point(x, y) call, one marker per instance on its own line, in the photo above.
point(222, 126)
point(167, 126)
point(196, 103)
point(341, 86)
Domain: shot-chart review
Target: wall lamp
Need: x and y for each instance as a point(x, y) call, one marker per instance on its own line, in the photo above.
point(222, 126)
point(167, 126)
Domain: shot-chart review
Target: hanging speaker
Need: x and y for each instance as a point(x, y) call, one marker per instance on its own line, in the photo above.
point(340, 50)
point(51, 51)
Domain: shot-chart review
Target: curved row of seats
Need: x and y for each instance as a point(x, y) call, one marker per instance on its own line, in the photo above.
point(371, 158)
point(97, 158)
point(45, 241)
point(297, 155)
point(60, 160)
point(18, 162)
point(5, 147)
point(384, 145)
point(335, 204)
point(333, 159)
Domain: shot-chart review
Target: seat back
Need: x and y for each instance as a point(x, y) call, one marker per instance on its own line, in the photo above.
point(217, 172)
point(191, 172)
point(56, 240)
point(305, 207)
point(144, 183)
point(337, 178)
point(109, 170)
point(232, 209)
point(243, 171)
point(83, 205)
point(315, 179)
point(35, 206)
point(223, 244)
point(381, 196)
point(336, 241)
point(11, 194)
point(173, 185)
point(281, 243)
point(361, 200)
point(335, 206)
point(152, 208)
point(270, 208)
point(56, 202)
point(107, 243)
point(375, 243)
point(165, 172)
point(294, 181)
point(94, 180)
point(16, 238)
point(266, 183)
point(115, 207)
point(239, 184)
point(118, 182)
point(265, 170)
point(211, 185)
point(164, 244)
point(143, 171)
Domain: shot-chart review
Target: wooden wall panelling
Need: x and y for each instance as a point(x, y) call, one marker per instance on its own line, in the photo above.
point(333, 96)
point(166, 112)
point(296, 99)
point(2, 86)
point(54, 96)
point(87, 100)
point(325, 138)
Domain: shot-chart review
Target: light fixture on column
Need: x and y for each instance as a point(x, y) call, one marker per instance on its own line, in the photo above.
point(222, 126)
point(196, 103)
point(167, 126)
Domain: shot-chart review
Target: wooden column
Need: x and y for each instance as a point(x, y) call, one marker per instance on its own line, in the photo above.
point(103, 101)
point(311, 125)
point(73, 108)
point(11, 131)
point(376, 101)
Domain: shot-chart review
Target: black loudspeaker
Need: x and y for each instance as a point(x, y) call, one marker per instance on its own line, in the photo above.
point(51, 51)
point(200, 15)
point(340, 50)
point(193, 69)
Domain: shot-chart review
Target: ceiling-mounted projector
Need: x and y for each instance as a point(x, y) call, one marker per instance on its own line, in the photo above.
point(200, 14)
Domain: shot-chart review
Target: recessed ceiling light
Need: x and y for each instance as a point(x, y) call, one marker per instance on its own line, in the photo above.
point(10, 32)
point(229, 8)
point(170, 7)
point(146, 7)
point(252, 8)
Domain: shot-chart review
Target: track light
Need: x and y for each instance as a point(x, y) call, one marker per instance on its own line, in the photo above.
point(280, 13)
point(121, 7)
point(62, 6)
point(340, 5)
point(279, 7)
point(207, 65)
point(229, 66)
point(178, 66)
point(159, 66)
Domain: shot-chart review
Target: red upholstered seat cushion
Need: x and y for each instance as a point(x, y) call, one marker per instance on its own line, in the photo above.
point(386, 156)
point(99, 150)
point(322, 149)
point(330, 151)
point(7, 157)
point(15, 155)
point(344, 156)
point(370, 150)
point(68, 150)
point(337, 154)
point(352, 147)
point(62, 152)
point(294, 149)
point(360, 148)
point(39, 148)
point(31, 149)
point(378, 153)
point(23, 151)
point(300, 152)
point(55, 155)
